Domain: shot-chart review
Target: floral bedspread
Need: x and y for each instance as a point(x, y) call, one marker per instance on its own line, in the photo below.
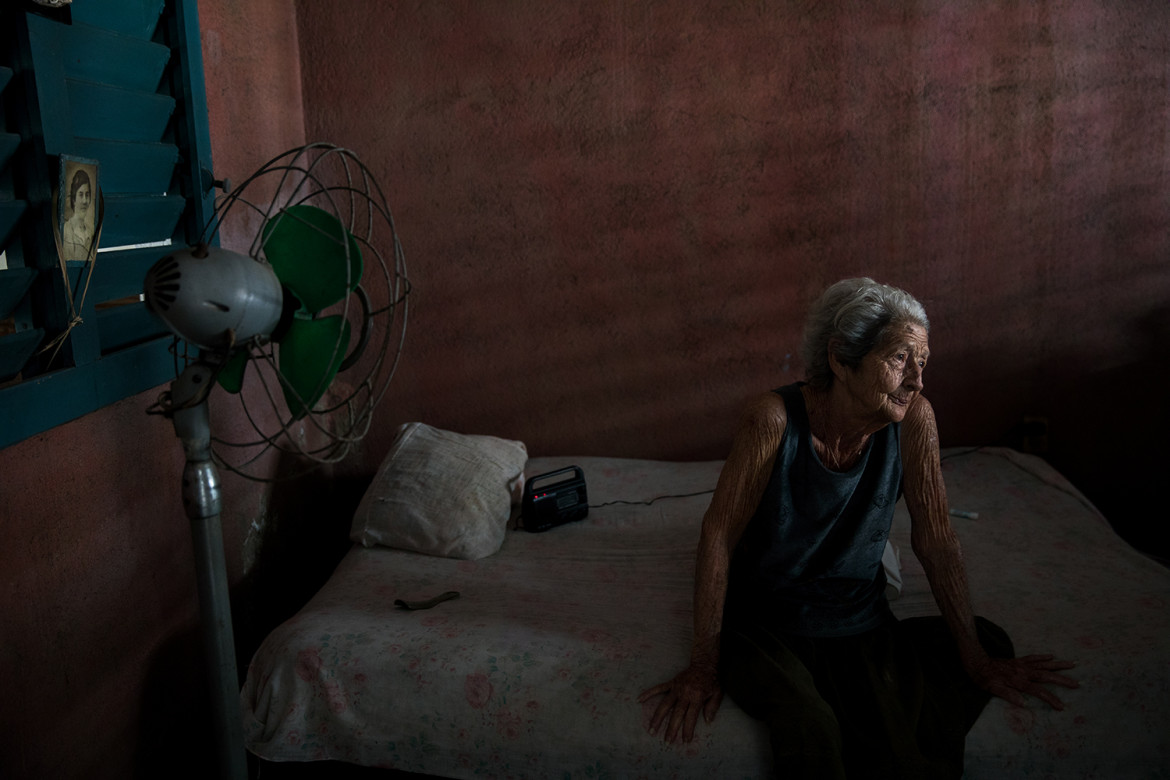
point(534, 671)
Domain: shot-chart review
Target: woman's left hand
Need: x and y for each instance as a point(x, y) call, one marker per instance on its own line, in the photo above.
point(1011, 678)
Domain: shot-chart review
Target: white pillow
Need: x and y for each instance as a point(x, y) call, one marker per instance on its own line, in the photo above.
point(441, 493)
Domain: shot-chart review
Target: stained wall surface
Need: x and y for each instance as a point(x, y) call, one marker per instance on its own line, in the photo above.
point(617, 213)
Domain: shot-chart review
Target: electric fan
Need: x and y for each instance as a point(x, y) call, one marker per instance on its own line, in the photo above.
point(314, 313)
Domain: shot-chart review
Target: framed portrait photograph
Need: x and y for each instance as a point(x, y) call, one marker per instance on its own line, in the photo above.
point(77, 206)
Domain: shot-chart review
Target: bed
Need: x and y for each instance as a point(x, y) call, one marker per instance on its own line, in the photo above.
point(534, 670)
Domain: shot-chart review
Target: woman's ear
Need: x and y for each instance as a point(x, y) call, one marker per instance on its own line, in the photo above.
point(835, 365)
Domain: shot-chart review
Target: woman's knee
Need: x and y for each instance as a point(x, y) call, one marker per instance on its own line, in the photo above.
point(770, 683)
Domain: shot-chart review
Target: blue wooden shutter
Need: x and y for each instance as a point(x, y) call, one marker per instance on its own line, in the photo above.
point(16, 343)
point(119, 82)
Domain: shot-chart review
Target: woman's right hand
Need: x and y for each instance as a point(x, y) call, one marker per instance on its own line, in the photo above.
point(742, 481)
point(695, 689)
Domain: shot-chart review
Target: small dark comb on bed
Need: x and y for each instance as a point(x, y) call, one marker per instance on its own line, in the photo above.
point(451, 594)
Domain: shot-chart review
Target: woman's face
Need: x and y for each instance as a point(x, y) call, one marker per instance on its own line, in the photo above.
point(890, 376)
point(81, 199)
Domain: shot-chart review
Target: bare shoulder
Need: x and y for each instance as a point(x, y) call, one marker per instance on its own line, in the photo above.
point(764, 415)
point(920, 431)
point(749, 463)
point(920, 415)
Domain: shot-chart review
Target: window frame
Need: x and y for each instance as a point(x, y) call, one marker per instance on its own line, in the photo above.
point(117, 351)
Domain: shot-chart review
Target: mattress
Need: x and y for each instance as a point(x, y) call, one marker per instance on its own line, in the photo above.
point(535, 669)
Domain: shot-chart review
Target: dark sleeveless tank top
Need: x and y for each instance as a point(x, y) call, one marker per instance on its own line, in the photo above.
point(809, 562)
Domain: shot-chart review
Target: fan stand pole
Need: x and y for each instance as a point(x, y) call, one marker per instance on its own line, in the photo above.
point(201, 499)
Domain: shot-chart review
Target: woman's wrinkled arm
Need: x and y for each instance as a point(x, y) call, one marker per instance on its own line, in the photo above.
point(937, 546)
point(741, 483)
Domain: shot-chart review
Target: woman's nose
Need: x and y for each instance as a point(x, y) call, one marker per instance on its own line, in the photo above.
point(913, 377)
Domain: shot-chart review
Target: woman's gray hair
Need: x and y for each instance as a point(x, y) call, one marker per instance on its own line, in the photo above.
point(852, 316)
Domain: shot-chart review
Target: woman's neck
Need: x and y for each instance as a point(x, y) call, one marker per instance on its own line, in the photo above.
point(839, 433)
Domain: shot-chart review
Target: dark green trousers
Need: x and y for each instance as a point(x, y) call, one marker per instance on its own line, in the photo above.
point(893, 703)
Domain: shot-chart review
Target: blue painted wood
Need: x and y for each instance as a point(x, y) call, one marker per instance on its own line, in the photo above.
point(39, 309)
point(135, 369)
point(9, 143)
point(107, 57)
point(103, 111)
point(52, 101)
point(130, 168)
point(44, 308)
point(194, 130)
point(127, 325)
point(43, 402)
point(138, 18)
point(14, 284)
point(16, 349)
point(140, 219)
point(84, 338)
point(10, 213)
point(70, 110)
point(119, 274)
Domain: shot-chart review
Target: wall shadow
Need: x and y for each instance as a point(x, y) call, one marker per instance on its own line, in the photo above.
point(1109, 431)
point(306, 536)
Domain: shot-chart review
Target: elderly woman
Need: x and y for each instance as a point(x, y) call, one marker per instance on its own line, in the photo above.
point(790, 615)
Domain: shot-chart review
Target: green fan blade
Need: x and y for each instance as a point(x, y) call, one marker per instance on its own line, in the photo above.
point(307, 360)
point(231, 376)
point(306, 247)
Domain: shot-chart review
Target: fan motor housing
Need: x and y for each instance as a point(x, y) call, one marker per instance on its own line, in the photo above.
point(213, 297)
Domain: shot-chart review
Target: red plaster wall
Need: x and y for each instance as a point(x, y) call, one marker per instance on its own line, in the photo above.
point(616, 213)
point(96, 568)
point(99, 669)
point(567, 182)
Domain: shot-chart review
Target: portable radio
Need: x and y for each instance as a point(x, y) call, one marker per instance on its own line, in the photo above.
point(549, 501)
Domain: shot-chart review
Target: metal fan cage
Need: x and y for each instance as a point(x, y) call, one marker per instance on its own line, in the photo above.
point(334, 179)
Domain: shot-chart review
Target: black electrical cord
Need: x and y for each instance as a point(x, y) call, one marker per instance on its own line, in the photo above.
point(651, 501)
